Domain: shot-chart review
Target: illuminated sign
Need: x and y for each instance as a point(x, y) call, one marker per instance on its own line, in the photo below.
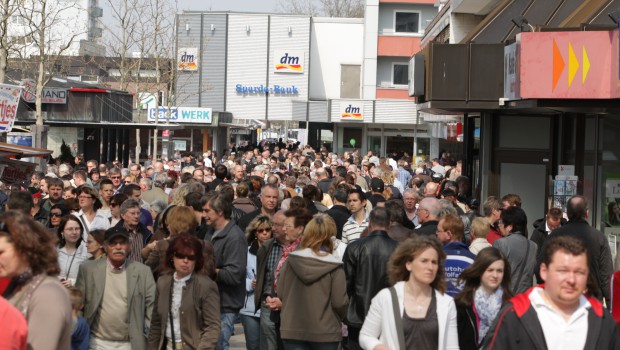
point(288, 61)
point(187, 59)
point(351, 111)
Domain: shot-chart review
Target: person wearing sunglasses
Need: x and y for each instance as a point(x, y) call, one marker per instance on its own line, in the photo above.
point(56, 213)
point(257, 232)
point(186, 312)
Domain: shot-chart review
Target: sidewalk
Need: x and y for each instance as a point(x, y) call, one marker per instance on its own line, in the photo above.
point(237, 341)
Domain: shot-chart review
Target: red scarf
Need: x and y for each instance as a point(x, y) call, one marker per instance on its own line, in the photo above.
point(285, 253)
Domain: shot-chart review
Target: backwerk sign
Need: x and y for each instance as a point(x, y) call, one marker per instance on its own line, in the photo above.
point(183, 115)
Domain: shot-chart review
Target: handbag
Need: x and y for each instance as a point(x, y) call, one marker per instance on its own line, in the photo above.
point(398, 319)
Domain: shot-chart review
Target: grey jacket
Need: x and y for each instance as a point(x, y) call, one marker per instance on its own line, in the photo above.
point(231, 254)
point(514, 247)
point(140, 296)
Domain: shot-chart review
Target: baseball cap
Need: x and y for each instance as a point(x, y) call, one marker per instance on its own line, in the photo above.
point(116, 232)
point(376, 184)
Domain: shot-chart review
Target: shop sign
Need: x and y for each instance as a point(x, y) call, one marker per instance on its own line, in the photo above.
point(15, 171)
point(266, 89)
point(146, 100)
point(187, 59)
point(569, 65)
point(288, 61)
point(183, 115)
point(51, 95)
point(511, 75)
point(9, 101)
point(239, 131)
point(351, 110)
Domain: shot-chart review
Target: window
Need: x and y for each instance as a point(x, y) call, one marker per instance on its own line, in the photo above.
point(407, 22)
point(400, 74)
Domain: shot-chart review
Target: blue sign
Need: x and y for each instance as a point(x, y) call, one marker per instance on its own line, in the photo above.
point(183, 115)
point(266, 89)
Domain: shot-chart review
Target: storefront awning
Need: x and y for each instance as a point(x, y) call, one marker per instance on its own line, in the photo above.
point(14, 151)
point(106, 125)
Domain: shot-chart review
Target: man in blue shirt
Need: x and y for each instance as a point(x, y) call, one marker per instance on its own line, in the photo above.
point(450, 231)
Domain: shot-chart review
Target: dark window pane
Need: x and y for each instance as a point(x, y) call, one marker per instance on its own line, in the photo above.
point(407, 22)
point(400, 74)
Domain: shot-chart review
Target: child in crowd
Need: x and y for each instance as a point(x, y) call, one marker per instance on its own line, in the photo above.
point(80, 332)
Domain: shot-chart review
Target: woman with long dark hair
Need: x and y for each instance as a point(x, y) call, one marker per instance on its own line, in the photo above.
point(71, 249)
point(487, 288)
point(186, 312)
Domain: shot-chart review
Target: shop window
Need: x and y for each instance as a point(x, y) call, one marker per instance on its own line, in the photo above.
point(352, 138)
point(400, 75)
point(407, 22)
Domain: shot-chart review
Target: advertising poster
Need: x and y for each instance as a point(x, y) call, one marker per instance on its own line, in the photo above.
point(187, 59)
point(9, 100)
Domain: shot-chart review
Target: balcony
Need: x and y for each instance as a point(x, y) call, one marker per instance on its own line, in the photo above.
point(398, 46)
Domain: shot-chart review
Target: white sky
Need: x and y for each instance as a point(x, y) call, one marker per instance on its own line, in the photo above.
point(229, 5)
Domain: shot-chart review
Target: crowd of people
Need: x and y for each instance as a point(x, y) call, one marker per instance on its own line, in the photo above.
point(306, 249)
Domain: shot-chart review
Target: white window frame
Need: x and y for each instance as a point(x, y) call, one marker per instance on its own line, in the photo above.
point(392, 74)
point(419, 32)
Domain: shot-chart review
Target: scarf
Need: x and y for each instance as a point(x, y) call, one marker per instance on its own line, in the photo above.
point(487, 307)
point(285, 253)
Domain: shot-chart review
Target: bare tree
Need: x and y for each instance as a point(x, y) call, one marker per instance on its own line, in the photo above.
point(329, 8)
point(8, 11)
point(52, 27)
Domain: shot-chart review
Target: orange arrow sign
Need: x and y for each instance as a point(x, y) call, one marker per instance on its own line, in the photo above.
point(558, 65)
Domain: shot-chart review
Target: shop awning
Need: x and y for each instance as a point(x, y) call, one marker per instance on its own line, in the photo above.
point(105, 124)
point(14, 151)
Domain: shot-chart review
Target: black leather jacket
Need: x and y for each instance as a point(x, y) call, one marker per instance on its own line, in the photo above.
point(365, 266)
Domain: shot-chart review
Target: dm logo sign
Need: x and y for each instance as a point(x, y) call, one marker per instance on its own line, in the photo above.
point(288, 61)
point(351, 111)
point(187, 59)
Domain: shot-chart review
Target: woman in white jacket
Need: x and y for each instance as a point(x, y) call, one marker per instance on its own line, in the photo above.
point(426, 315)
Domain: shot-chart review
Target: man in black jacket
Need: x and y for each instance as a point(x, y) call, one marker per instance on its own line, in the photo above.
point(599, 253)
point(230, 249)
point(366, 271)
point(543, 227)
point(339, 211)
point(560, 314)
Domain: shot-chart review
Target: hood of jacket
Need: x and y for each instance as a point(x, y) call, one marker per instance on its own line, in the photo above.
point(310, 267)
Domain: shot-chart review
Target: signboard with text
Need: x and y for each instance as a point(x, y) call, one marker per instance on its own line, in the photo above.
point(187, 59)
point(9, 101)
point(351, 111)
point(14, 171)
point(182, 115)
point(288, 61)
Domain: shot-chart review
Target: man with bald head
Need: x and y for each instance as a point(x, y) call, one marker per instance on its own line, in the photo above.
point(430, 189)
point(428, 216)
point(267, 259)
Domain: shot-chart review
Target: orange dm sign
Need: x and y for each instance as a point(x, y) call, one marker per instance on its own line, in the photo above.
point(573, 64)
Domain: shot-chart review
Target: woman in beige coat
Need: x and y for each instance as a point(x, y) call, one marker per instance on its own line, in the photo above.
point(186, 314)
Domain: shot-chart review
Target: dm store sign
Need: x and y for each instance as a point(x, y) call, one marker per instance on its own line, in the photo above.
point(187, 59)
point(183, 115)
point(288, 61)
point(351, 110)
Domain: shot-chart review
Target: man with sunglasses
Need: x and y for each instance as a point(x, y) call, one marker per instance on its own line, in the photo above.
point(118, 296)
point(114, 174)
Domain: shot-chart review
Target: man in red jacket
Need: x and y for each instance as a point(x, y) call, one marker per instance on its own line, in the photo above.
point(558, 314)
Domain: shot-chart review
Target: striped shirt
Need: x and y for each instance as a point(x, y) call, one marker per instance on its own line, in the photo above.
point(352, 230)
point(136, 241)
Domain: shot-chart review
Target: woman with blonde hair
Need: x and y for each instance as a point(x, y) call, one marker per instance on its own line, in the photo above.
point(180, 219)
point(257, 232)
point(479, 231)
point(312, 287)
point(415, 312)
point(388, 179)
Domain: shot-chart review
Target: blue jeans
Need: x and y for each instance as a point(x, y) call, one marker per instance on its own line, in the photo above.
point(309, 345)
point(269, 334)
point(228, 327)
point(251, 329)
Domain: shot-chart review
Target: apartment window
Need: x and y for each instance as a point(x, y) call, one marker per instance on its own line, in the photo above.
point(407, 22)
point(400, 74)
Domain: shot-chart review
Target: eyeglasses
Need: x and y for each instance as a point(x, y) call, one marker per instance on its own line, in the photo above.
point(57, 215)
point(184, 256)
point(261, 230)
point(85, 197)
point(115, 177)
